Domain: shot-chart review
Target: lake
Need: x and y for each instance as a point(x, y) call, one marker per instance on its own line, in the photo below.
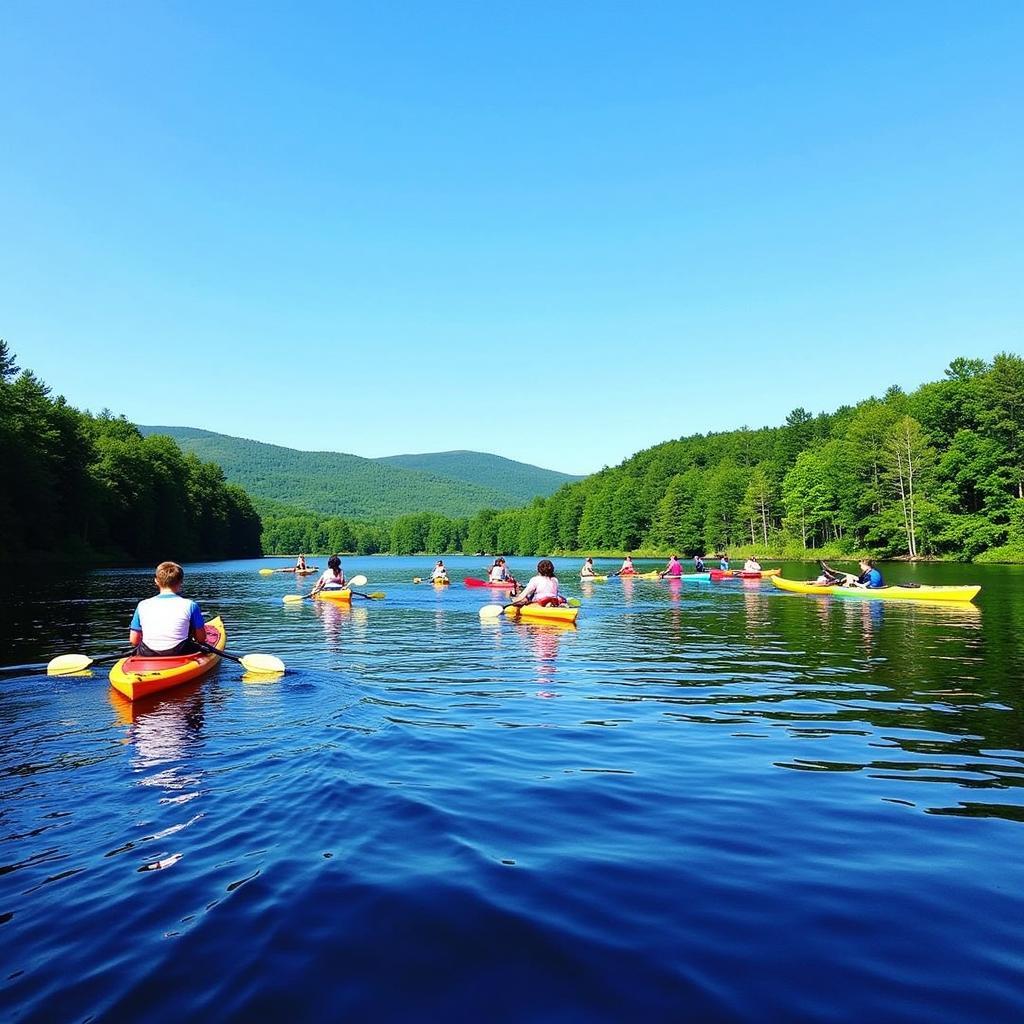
point(709, 802)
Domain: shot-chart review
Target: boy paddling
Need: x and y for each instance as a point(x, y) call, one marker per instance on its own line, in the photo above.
point(167, 625)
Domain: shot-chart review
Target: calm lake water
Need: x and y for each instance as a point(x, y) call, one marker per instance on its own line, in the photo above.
point(707, 802)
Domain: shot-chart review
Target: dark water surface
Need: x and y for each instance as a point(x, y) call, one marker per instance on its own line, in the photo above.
point(707, 802)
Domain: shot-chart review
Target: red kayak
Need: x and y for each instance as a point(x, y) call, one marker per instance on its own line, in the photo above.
point(742, 574)
point(471, 581)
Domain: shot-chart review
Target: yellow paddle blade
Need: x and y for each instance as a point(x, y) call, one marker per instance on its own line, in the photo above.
point(262, 663)
point(68, 663)
point(491, 611)
point(290, 598)
point(357, 581)
point(266, 572)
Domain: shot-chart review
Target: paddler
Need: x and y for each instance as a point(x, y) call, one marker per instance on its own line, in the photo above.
point(673, 570)
point(440, 572)
point(332, 578)
point(724, 563)
point(751, 565)
point(698, 563)
point(587, 570)
point(167, 625)
point(542, 588)
point(870, 578)
point(498, 573)
point(627, 567)
point(300, 563)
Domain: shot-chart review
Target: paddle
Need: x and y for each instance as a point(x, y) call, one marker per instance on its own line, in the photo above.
point(356, 581)
point(64, 664)
point(377, 595)
point(250, 662)
point(492, 611)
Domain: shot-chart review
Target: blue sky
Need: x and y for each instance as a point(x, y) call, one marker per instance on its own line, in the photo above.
point(559, 232)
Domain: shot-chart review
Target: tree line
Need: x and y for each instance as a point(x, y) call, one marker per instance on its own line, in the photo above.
point(936, 472)
point(92, 488)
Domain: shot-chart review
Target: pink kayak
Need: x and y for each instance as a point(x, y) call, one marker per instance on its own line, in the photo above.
point(471, 581)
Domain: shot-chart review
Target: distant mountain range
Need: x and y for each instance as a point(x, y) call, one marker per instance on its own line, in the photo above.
point(333, 483)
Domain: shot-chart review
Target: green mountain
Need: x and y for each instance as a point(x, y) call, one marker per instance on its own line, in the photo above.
point(524, 481)
point(333, 483)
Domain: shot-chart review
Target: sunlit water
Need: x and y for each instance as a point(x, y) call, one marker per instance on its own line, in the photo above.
point(707, 802)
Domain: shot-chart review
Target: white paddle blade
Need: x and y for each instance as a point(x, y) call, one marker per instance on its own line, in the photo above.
point(491, 611)
point(262, 663)
point(416, 579)
point(68, 663)
point(291, 598)
point(357, 581)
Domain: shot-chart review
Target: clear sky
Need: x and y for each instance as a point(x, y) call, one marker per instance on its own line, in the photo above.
point(561, 232)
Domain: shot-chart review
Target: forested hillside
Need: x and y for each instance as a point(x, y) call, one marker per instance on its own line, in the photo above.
point(937, 472)
point(524, 482)
point(91, 487)
point(332, 483)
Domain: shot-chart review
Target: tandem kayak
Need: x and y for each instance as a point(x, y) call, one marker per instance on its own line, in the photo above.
point(137, 677)
point(337, 594)
point(922, 593)
point(472, 581)
point(543, 613)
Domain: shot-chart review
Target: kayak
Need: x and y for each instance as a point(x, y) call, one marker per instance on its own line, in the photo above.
point(298, 572)
point(743, 574)
point(596, 578)
point(653, 575)
point(341, 594)
point(472, 581)
point(442, 581)
point(305, 572)
point(921, 593)
point(137, 677)
point(543, 613)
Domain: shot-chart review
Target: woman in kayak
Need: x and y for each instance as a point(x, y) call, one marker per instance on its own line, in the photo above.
point(167, 625)
point(300, 563)
point(440, 572)
point(542, 588)
point(751, 565)
point(698, 563)
point(673, 570)
point(627, 567)
point(498, 573)
point(587, 570)
point(332, 578)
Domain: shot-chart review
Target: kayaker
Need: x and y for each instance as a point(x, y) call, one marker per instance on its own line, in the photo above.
point(498, 573)
point(300, 563)
point(627, 567)
point(673, 570)
point(587, 570)
point(698, 563)
point(440, 572)
point(167, 625)
point(332, 578)
point(542, 588)
point(751, 565)
point(724, 563)
point(870, 578)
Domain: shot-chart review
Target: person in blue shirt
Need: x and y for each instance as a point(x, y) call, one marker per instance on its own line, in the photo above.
point(869, 576)
point(724, 563)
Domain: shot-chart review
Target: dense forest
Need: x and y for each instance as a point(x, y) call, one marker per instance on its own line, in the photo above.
point(93, 488)
point(938, 472)
point(333, 483)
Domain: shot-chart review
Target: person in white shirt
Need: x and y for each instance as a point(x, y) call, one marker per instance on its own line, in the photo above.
point(332, 578)
point(751, 565)
point(167, 625)
point(542, 588)
point(440, 572)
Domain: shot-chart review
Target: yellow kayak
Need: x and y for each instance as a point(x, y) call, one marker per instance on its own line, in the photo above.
point(596, 578)
point(343, 594)
point(543, 613)
point(921, 593)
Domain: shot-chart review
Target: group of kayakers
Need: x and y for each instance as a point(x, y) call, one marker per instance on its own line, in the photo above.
point(673, 569)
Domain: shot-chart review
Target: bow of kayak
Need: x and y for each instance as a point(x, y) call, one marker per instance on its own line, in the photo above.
point(341, 594)
point(922, 593)
point(136, 677)
point(472, 581)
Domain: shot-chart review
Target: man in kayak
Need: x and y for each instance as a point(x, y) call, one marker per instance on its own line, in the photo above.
point(673, 570)
point(440, 572)
point(724, 563)
point(751, 565)
point(698, 563)
point(542, 588)
point(332, 578)
point(627, 567)
point(587, 570)
point(870, 578)
point(167, 625)
point(300, 563)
